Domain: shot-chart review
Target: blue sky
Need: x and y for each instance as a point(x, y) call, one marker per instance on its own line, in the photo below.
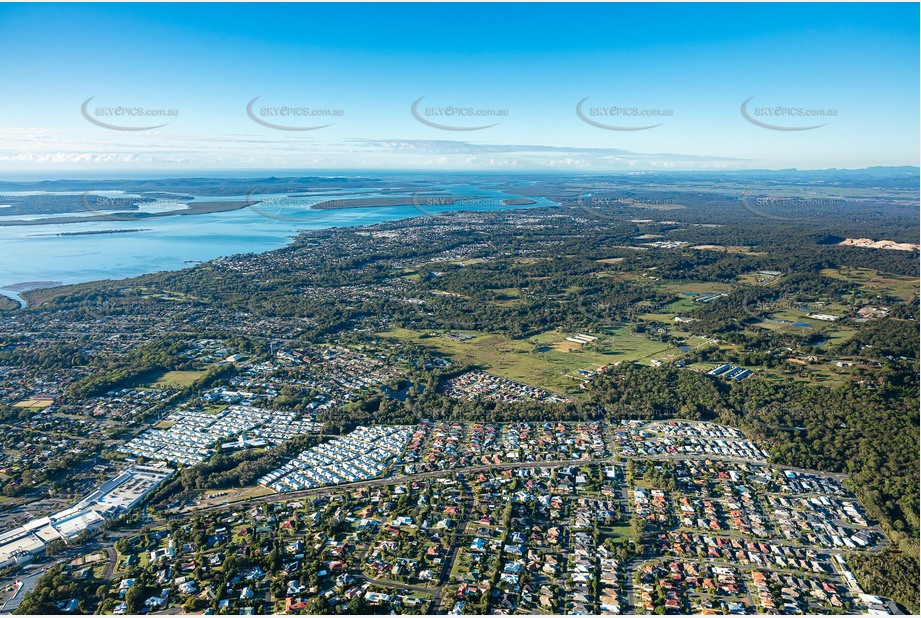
point(690, 66)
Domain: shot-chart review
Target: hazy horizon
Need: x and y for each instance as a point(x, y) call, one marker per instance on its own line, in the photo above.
point(105, 175)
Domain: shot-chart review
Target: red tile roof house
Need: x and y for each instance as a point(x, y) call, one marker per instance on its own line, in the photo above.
point(292, 605)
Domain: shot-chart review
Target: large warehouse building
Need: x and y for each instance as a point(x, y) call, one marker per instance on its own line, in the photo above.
point(111, 499)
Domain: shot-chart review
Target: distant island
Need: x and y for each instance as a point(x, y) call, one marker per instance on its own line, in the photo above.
point(199, 208)
point(25, 286)
point(92, 232)
point(420, 200)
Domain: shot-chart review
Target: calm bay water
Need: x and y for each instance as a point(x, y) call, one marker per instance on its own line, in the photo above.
point(35, 253)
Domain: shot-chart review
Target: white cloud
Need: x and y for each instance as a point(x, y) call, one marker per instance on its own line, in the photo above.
point(37, 149)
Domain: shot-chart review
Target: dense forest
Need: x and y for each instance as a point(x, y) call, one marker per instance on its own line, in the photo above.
point(891, 574)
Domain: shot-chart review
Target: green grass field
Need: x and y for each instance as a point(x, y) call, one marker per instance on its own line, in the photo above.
point(833, 332)
point(619, 532)
point(691, 287)
point(666, 314)
point(875, 282)
point(167, 295)
point(176, 379)
point(554, 369)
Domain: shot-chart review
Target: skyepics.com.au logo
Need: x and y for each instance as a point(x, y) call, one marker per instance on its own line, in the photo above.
point(111, 206)
point(455, 118)
point(115, 206)
point(109, 310)
point(291, 117)
point(434, 204)
point(290, 204)
point(604, 205)
point(294, 204)
point(785, 117)
point(125, 117)
point(621, 118)
point(788, 208)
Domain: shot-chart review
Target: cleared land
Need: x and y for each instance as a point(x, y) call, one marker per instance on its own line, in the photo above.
point(875, 282)
point(543, 359)
point(178, 379)
point(33, 403)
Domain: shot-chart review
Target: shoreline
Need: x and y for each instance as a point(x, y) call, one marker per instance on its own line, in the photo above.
point(427, 199)
point(15, 291)
point(23, 303)
point(201, 208)
point(23, 296)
